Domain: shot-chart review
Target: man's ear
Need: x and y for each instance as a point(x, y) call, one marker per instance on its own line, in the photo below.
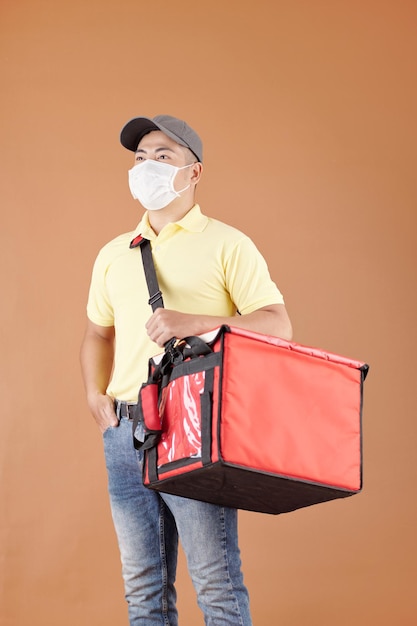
point(196, 172)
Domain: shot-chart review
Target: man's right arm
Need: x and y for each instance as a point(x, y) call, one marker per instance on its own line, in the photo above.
point(97, 354)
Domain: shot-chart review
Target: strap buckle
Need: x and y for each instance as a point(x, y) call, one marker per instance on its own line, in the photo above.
point(156, 296)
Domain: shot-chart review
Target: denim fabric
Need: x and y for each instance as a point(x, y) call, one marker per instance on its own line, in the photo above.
point(148, 525)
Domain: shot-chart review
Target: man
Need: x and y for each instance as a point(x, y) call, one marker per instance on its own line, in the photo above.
point(208, 272)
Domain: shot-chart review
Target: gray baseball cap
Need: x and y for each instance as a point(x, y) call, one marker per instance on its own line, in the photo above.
point(176, 129)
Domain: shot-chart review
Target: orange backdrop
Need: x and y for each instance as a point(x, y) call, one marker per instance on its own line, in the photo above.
point(308, 113)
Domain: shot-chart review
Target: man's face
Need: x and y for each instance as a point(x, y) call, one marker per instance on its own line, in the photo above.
point(159, 147)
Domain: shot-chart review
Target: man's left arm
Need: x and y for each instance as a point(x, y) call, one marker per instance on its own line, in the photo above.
point(269, 320)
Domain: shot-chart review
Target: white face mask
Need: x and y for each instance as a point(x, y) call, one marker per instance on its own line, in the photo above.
point(152, 183)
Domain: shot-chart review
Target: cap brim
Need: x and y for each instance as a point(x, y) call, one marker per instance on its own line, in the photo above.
point(134, 130)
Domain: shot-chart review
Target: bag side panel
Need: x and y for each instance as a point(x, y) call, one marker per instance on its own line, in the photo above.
point(187, 410)
point(286, 412)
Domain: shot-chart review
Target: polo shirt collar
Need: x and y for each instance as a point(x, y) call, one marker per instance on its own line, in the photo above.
point(193, 221)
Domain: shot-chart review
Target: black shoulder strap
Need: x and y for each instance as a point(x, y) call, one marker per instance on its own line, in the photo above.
point(196, 346)
point(155, 295)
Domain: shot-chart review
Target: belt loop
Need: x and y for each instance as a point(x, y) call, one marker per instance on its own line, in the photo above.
point(124, 409)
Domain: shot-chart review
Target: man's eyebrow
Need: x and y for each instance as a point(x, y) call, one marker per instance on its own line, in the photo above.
point(161, 149)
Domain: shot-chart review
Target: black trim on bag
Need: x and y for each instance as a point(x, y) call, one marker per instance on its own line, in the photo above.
point(363, 372)
point(151, 458)
point(220, 392)
point(224, 466)
point(241, 487)
point(178, 464)
point(206, 404)
point(199, 364)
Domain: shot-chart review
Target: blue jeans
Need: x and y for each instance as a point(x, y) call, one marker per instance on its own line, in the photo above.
point(148, 525)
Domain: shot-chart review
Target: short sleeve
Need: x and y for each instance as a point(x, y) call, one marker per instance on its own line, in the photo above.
point(247, 278)
point(99, 308)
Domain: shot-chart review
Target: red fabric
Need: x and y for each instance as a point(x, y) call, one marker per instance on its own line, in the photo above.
point(136, 241)
point(290, 412)
point(180, 407)
point(149, 401)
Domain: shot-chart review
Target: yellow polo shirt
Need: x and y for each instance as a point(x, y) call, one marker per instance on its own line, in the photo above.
point(203, 266)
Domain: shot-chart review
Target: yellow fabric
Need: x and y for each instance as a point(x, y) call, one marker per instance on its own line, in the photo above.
point(203, 266)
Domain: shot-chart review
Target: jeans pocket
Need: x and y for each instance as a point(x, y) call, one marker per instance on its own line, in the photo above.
point(110, 428)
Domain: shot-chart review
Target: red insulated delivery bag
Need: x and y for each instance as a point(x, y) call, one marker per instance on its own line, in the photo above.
point(252, 421)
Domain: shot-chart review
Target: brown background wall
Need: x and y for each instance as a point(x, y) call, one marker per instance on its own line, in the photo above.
point(308, 114)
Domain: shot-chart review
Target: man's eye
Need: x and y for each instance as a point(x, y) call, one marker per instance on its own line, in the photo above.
point(138, 158)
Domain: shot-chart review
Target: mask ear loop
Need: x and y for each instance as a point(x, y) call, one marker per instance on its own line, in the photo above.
point(172, 180)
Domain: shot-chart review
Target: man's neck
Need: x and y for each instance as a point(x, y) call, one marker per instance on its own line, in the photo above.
point(170, 214)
